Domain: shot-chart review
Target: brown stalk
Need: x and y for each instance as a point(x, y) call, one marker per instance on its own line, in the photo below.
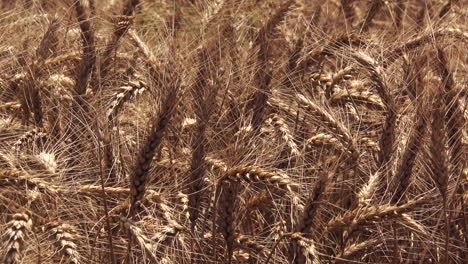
point(374, 8)
point(204, 95)
point(307, 222)
point(88, 58)
point(348, 11)
point(263, 74)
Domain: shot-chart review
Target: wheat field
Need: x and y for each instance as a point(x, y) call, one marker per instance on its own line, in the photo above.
point(233, 131)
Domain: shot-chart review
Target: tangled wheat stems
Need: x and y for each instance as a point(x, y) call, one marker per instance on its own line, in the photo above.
point(215, 131)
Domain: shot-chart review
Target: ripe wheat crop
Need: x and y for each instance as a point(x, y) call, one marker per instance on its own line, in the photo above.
point(233, 131)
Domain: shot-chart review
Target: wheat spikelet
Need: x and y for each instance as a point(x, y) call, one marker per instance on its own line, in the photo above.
point(354, 249)
point(423, 39)
point(143, 241)
point(256, 175)
point(157, 130)
point(227, 218)
point(168, 233)
point(280, 125)
point(184, 200)
point(18, 178)
point(58, 79)
point(333, 80)
point(264, 72)
point(204, 95)
point(216, 163)
point(49, 41)
point(323, 139)
point(247, 244)
point(11, 107)
point(405, 170)
point(357, 96)
point(334, 125)
point(88, 58)
point(369, 143)
point(348, 11)
point(72, 57)
point(30, 137)
point(352, 220)
point(454, 118)
point(18, 228)
point(64, 237)
point(387, 139)
point(304, 251)
point(134, 88)
point(313, 202)
point(121, 24)
point(438, 154)
point(399, 10)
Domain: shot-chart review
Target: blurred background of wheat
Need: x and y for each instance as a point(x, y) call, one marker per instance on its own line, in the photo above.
point(235, 131)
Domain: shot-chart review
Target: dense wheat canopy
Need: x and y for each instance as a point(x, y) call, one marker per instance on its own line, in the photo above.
point(233, 131)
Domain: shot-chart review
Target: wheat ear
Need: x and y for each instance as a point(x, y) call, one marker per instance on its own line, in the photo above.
point(252, 174)
point(405, 169)
point(88, 57)
point(18, 228)
point(331, 123)
point(263, 74)
point(121, 27)
point(387, 140)
point(139, 177)
point(143, 241)
point(64, 237)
